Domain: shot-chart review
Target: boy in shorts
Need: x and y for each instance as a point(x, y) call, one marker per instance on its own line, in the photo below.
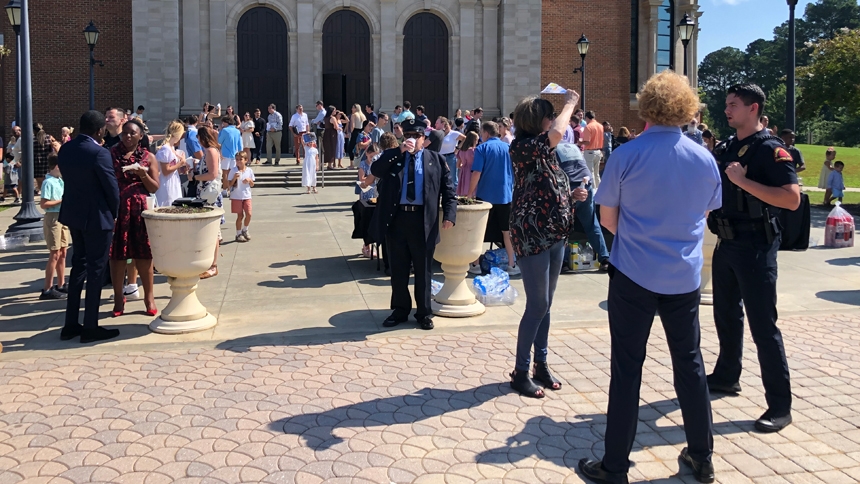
point(57, 235)
point(240, 180)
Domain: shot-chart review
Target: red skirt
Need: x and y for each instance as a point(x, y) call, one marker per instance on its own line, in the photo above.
point(130, 240)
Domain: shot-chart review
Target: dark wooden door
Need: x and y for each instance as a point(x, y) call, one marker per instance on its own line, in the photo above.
point(425, 64)
point(346, 53)
point(263, 65)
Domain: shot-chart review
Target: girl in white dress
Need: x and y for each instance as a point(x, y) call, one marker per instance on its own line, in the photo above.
point(309, 168)
point(170, 161)
point(247, 129)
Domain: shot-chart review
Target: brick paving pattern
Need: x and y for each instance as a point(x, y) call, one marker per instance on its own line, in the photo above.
point(399, 410)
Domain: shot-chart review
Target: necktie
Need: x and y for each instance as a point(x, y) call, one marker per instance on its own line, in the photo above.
point(410, 183)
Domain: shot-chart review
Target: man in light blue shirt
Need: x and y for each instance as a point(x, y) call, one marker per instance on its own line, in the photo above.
point(493, 181)
point(230, 140)
point(654, 197)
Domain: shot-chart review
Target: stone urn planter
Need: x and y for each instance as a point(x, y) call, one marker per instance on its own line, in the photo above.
point(459, 246)
point(708, 247)
point(183, 245)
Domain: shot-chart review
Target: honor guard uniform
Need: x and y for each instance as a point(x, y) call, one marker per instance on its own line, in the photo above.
point(745, 271)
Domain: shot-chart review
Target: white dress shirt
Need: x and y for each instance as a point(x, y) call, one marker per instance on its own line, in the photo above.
point(300, 122)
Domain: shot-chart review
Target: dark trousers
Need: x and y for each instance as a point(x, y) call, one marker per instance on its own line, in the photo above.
point(350, 146)
point(258, 146)
point(744, 276)
point(407, 247)
point(89, 262)
point(540, 277)
point(631, 313)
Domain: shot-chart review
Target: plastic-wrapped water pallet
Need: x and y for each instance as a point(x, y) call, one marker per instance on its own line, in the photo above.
point(13, 241)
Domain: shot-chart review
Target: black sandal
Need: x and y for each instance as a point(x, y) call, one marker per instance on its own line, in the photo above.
point(543, 375)
point(521, 382)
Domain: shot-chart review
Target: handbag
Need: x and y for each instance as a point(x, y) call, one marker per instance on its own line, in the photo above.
point(211, 191)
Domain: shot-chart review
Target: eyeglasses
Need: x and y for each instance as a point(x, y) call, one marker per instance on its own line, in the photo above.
point(413, 135)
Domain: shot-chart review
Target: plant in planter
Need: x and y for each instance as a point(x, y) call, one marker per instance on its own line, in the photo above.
point(183, 243)
point(459, 246)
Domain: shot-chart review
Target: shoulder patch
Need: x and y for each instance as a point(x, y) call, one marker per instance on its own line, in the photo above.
point(781, 154)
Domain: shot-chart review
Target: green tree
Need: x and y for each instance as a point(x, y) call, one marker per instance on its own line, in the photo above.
point(718, 71)
point(831, 80)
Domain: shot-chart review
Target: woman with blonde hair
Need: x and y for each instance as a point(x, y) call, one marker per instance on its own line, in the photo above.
point(356, 124)
point(654, 197)
point(170, 162)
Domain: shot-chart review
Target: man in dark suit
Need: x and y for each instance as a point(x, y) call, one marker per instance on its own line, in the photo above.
point(90, 205)
point(412, 183)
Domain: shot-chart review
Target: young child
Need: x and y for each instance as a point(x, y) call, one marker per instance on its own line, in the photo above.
point(57, 235)
point(835, 182)
point(241, 180)
point(11, 172)
point(309, 169)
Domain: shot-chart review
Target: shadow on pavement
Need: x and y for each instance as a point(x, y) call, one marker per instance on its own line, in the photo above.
point(348, 326)
point(316, 429)
point(843, 297)
point(323, 272)
point(50, 340)
point(845, 262)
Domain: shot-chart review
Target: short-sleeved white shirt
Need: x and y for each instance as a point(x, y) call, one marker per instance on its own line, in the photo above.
point(242, 190)
point(449, 143)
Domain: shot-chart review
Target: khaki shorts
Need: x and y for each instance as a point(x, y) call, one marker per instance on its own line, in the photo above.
point(57, 235)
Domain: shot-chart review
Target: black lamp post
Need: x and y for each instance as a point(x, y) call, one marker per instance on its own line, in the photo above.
point(582, 47)
point(29, 219)
point(789, 88)
point(91, 33)
point(685, 32)
point(13, 10)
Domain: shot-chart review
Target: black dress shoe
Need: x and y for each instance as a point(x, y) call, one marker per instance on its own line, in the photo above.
point(70, 332)
point(716, 386)
point(98, 334)
point(426, 323)
point(770, 422)
point(702, 471)
point(392, 321)
point(593, 469)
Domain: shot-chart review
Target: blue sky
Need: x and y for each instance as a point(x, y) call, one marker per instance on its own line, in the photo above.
point(736, 23)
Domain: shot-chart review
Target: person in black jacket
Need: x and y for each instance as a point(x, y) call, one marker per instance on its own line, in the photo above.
point(412, 183)
point(89, 210)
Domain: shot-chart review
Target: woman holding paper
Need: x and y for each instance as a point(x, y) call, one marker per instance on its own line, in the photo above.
point(137, 175)
point(171, 162)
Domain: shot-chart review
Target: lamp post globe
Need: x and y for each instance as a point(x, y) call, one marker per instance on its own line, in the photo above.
point(91, 34)
point(686, 28)
point(13, 10)
point(582, 46)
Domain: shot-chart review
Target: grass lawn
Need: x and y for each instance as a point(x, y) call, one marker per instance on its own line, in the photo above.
point(813, 156)
point(5, 207)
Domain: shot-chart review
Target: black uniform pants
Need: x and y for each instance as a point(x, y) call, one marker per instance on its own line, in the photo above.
point(631, 314)
point(407, 248)
point(90, 250)
point(744, 276)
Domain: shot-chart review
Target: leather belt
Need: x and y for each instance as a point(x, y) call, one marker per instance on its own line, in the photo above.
point(411, 208)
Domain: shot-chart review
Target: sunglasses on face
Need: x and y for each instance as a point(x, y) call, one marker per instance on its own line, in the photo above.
point(413, 135)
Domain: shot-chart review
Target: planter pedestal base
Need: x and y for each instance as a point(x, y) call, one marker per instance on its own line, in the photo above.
point(452, 311)
point(182, 327)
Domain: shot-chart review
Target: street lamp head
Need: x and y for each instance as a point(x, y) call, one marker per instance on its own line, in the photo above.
point(13, 10)
point(582, 45)
point(686, 28)
point(791, 3)
point(91, 33)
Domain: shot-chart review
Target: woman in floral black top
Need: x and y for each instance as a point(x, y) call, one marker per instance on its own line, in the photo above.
point(541, 219)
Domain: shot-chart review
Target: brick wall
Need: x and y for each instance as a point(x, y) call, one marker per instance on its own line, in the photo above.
point(59, 58)
point(606, 24)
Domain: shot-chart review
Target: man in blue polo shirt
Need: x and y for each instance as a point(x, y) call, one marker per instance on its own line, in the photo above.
point(654, 197)
point(493, 182)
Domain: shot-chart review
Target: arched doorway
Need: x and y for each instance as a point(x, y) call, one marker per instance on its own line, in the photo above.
point(425, 64)
point(346, 60)
point(263, 65)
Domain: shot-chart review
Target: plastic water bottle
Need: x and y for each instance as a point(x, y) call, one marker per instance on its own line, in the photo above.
point(587, 257)
point(575, 257)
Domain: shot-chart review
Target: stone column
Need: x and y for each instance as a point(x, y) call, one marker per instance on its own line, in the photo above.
point(388, 54)
point(190, 27)
point(305, 53)
point(375, 86)
point(490, 87)
point(653, 22)
point(218, 52)
point(466, 62)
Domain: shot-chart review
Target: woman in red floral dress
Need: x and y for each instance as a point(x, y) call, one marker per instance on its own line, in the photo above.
point(130, 240)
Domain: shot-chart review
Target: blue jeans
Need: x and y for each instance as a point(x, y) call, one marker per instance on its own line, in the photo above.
point(587, 216)
point(540, 276)
point(451, 159)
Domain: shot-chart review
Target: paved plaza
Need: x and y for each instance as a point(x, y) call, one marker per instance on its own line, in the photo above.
point(300, 383)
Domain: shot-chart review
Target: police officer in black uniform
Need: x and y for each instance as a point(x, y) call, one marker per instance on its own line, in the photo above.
point(758, 180)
